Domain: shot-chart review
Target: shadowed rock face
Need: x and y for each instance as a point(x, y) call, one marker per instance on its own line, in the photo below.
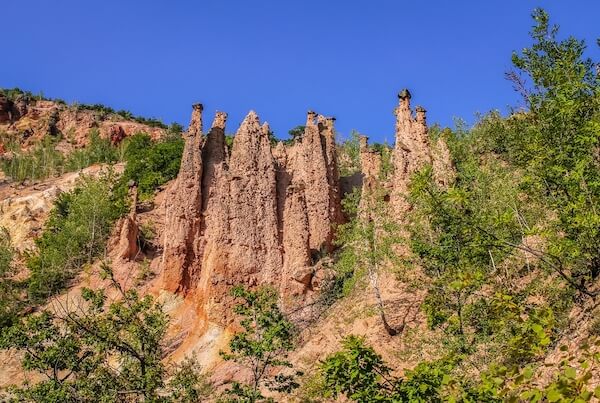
point(128, 231)
point(251, 217)
point(6, 109)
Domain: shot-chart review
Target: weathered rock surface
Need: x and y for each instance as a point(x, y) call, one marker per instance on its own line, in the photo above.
point(128, 245)
point(444, 171)
point(183, 212)
point(412, 151)
point(28, 120)
point(265, 215)
point(6, 109)
point(253, 216)
point(24, 209)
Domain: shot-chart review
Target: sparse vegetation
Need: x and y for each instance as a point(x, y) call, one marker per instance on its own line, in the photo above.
point(75, 235)
point(9, 287)
point(151, 164)
point(45, 161)
point(107, 111)
point(76, 350)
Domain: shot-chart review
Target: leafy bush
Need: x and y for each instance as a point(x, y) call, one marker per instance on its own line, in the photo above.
point(349, 155)
point(101, 352)
point(360, 374)
point(151, 164)
point(9, 301)
point(74, 235)
point(262, 345)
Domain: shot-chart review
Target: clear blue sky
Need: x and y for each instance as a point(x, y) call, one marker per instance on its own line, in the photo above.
point(342, 58)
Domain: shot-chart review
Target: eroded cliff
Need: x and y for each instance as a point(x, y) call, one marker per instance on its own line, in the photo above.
point(256, 215)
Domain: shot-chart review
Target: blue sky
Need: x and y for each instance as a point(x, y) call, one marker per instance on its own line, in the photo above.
point(342, 58)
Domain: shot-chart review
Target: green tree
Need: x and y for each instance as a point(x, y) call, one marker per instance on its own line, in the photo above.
point(151, 164)
point(74, 235)
point(100, 351)
point(556, 141)
point(296, 133)
point(263, 344)
point(360, 374)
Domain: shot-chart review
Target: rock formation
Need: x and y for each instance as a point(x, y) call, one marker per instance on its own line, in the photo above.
point(370, 163)
point(128, 246)
point(29, 120)
point(444, 171)
point(183, 212)
point(260, 215)
point(6, 109)
point(264, 215)
point(413, 150)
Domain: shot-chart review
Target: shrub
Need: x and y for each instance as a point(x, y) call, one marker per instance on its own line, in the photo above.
point(151, 164)
point(262, 345)
point(9, 302)
point(109, 351)
point(44, 161)
point(74, 235)
point(97, 151)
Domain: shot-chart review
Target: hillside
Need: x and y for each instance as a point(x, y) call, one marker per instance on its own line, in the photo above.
point(140, 262)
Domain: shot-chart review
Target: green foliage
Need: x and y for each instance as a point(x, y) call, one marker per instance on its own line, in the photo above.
point(556, 143)
point(296, 134)
point(42, 162)
point(13, 93)
point(74, 235)
point(470, 236)
point(9, 287)
point(106, 111)
point(571, 382)
point(151, 164)
point(101, 352)
point(360, 374)
point(387, 168)
point(188, 384)
point(262, 345)
point(349, 152)
point(98, 151)
point(45, 161)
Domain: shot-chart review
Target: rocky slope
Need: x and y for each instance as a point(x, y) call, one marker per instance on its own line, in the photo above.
point(26, 120)
point(255, 214)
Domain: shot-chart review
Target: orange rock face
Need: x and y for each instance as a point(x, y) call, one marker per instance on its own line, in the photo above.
point(413, 150)
point(263, 215)
point(183, 213)
point(31, 120)
point(252, 217)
